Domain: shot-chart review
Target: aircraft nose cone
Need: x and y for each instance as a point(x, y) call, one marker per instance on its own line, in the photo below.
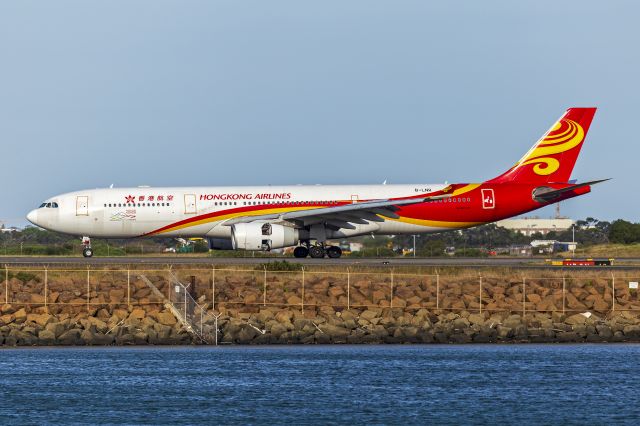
point(33, 217)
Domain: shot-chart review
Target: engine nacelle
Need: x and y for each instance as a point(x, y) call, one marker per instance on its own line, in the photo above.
point(220, 244)
point(262, 236)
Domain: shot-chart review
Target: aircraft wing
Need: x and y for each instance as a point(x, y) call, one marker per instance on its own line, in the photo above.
point(341, 216)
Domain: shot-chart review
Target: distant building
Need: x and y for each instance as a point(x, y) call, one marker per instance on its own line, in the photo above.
point(520, 250)
point(551, 246)
point(530, 225)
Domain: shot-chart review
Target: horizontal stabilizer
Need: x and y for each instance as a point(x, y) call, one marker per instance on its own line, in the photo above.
point(544, 194)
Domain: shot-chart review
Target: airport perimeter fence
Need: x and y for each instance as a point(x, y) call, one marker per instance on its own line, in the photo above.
point(249, 290)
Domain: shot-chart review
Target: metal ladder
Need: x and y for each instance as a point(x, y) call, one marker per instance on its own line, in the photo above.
point(193, 317)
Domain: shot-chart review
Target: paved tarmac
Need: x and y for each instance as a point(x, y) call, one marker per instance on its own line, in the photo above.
point(346, 261)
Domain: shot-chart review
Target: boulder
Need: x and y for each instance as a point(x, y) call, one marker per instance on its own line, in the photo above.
point(98, 324)
point(87, 337)
point(294, 300)
point(102, 339)
point(57, 328)
point(20, 316)
point(137, 313)
point(6, 319)
point(576, 319)
point(37, 299)
point(7, 309)
point(477, 319)
point(22, 338)
point(166, 318)
point(40, 319)
point(71, 338)
point(140, 338)
point(335, 332)
point(46, 338)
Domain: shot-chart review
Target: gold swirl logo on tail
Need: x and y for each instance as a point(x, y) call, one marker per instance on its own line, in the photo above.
point(563, 136)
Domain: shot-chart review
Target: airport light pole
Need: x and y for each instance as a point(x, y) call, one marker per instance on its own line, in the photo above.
point(414, 245)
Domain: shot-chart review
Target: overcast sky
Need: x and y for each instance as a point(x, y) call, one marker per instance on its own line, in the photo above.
point(275, 92)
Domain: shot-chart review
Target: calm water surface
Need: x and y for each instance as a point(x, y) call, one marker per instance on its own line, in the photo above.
point(473, 384)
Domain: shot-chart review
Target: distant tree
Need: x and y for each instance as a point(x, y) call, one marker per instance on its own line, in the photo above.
point(624, 232)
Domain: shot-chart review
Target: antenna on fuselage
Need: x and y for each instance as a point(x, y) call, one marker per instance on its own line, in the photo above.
point(111, 186)
point(385, 182)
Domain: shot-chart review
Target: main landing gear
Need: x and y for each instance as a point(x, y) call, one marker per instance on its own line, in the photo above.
point(87, 251)
point(317, 251)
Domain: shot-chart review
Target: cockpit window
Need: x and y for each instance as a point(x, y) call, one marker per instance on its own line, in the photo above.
point(49, 205)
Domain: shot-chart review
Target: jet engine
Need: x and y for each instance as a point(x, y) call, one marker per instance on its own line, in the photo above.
point(262, 236)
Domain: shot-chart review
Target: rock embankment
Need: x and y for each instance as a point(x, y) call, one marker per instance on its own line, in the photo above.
point(116, 326)
point(156, 326)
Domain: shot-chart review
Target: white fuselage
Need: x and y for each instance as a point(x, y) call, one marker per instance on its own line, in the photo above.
point(145, 211)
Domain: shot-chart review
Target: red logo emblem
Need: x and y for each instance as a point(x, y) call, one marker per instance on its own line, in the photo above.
point(488, 199)
point(130, 198)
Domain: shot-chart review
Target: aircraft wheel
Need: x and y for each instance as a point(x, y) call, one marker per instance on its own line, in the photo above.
point(300, 252)
point(317, 252)
point(88, 252)
point(334, 252)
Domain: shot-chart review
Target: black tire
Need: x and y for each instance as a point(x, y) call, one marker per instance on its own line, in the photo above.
point(334, 252)
point(300, 252)
point(88, 252)
point(316, 252)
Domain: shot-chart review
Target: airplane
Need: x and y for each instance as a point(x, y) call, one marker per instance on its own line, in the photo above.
point(308, 217)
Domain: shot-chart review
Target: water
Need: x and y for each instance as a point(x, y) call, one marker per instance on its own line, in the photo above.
point(471, 384)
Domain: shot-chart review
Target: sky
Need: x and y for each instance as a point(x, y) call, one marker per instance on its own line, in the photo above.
point(208, 93)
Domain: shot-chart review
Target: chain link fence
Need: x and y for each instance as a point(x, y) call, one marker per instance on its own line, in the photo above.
point(218, 289)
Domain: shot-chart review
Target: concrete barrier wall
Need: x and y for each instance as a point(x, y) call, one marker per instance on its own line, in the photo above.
point(116, 307)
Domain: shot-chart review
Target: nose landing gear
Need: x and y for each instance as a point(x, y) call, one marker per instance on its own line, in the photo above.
point(87, 251)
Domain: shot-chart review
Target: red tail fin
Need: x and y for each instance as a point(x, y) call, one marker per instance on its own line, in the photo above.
point(552, 158)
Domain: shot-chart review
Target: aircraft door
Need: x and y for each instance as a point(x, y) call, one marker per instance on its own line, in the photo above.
point(82, 205)
point(190, 204)
point(354, 199)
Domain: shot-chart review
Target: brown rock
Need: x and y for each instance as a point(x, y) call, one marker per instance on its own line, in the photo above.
point(576, 319)
point(335, 291)
point(534, 298)
point(7, 309)
point(41, 320)
point(137, 314)
point(166, 318)
point(379, 295)
point(46, 337)
point(37, 299)
point(117, 295)
point(100, 325)
point(6, 319)
point(294, 300)
point(57, 328)
point(20, 316)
